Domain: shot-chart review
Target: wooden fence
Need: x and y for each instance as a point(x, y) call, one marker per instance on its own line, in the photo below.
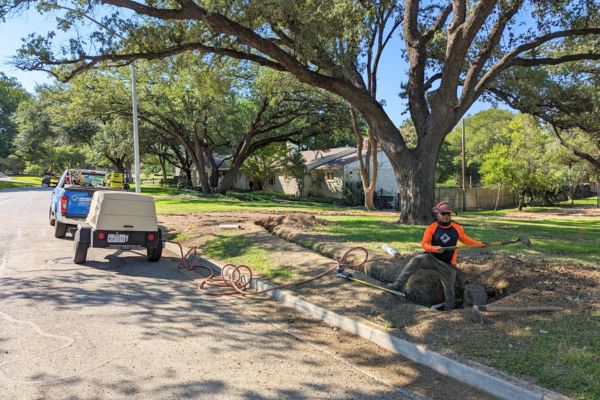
point(477, 198)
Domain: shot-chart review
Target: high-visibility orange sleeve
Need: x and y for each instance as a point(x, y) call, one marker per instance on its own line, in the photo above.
point(464, 238)
point(427, 237)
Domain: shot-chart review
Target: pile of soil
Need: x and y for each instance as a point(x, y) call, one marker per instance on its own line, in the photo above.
point(532, 281)
point(298, 220)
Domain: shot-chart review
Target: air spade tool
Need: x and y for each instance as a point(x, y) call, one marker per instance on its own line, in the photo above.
point(348, 276)
point(349, 260)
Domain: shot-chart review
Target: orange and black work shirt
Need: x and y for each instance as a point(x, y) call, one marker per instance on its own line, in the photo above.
point(444, 236)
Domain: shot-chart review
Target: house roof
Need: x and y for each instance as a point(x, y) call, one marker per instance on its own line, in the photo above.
point(340, 161)
point(315, 158)
point(337, 157)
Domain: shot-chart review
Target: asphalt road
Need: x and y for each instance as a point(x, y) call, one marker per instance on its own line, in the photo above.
point(120, 327)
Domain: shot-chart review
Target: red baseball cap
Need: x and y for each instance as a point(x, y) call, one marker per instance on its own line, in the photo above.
point(443, 207)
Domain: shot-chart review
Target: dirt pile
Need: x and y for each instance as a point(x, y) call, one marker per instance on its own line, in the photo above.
point(532, 280)
point(295, 220)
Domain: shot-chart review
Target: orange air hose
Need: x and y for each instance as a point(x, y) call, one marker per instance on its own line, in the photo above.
point(238, 278)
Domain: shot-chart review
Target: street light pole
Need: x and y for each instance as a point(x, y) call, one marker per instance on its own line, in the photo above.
point(136, 139)
point(464, 183)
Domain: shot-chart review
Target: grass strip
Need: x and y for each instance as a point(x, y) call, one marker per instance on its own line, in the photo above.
point(236, 249)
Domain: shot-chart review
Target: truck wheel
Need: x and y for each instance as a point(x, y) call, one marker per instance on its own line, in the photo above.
point(51, 217)
point(60, 229)
point(81, 249)
point(155, 253)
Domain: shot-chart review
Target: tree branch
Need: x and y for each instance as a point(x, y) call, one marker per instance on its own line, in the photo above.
point(507, 60)
point(585, 156)
point(486, 51)
point(126, 59)
point(533, 62)
point(439, 23)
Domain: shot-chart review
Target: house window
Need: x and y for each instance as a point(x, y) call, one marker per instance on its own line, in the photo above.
point(272, 181)
point(329, 175)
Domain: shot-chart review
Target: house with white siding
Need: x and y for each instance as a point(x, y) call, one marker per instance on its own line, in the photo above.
point(328, 171)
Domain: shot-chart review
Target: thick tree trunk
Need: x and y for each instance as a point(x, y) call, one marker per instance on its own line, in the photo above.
point(415, 174)
point(201, 166)
point(214, 169)
point(163, 167)
point(242, 153)
point(227, 181)
point(229, 177)
point(416, 185)
point(414, 168)
point(188, 175)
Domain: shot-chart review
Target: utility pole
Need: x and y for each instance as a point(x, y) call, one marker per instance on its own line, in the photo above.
point(136, 139)
point(462, 156)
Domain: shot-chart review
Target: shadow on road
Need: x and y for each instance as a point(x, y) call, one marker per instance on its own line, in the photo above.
point(161, 303)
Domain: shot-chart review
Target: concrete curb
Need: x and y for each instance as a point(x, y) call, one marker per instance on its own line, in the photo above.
point(489, 380)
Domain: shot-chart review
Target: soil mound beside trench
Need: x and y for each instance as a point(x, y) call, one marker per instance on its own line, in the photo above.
point(295, 220)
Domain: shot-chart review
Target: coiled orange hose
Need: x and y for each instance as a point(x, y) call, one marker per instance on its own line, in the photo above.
point(239, 277)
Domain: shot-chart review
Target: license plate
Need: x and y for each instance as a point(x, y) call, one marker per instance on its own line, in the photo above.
point(117, 238)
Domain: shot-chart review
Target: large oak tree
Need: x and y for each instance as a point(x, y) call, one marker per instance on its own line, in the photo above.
point(454, 49)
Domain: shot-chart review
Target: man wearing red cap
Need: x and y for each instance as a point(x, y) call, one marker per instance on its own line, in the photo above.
point(442, 233)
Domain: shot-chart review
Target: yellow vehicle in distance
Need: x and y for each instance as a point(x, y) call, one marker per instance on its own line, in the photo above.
point(114, 180)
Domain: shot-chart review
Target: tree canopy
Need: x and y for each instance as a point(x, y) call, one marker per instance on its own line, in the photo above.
point(11, 95)
point(454, 50)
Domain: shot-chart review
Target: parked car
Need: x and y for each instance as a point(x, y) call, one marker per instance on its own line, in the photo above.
point(71, 198)
point(49, 181)
point(121, 220)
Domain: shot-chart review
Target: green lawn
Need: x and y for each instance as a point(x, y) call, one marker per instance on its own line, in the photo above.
point(35, 181)
point(156, 190)
point(14, 185)
point(576, 239)
point(590, 201)
point(238, 250)
point(21, 181)
point(194, 202)
point(561, 351)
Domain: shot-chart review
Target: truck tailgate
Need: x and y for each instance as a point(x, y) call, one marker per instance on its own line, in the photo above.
point(78, 203)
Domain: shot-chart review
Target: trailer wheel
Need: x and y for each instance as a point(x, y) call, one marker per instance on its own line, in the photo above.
point(60, 229)
point(81, 249)
point(155, 253)
point(51, 217)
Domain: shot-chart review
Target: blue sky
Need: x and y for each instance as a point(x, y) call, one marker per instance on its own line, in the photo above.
point(392, 68)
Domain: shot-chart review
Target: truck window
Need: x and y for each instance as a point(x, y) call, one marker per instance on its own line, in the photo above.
point(93, 179)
